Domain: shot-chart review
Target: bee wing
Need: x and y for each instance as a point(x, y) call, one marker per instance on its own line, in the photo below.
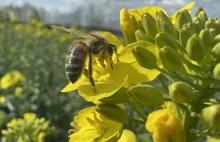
point(84, 35)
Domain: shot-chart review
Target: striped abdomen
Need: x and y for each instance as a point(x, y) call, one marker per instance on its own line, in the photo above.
point(75, 61)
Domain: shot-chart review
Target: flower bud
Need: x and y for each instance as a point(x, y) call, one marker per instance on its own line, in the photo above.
point(213, 32)
point(180, 92)
point(195, 48)
point(216, 39)
point(217, 26)
point(146, 95)
point(112, 112)
point(170, 58)
point(119, 97)
point(184, 35)
point(209, 24)
point(164, 24)
point(182, 18)
point(165, 39)
point(206, 37)
point(216, 51)
point(144, 57)
point(140, 35)
point(198, 26)
point(216, 71)
point(189, 26)
point(127, 25)
point(202, 16)
point(210, 117)
point(149, 24)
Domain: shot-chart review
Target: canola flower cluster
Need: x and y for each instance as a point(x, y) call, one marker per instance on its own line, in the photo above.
point(27, 129)
point(185, 50)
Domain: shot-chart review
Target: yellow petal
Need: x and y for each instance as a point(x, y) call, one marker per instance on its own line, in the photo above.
point(112, 131)
point(152, 10)
point(82, 115)
point(29, 116)
point(127, 136)
point(71, 86)
point(106, 85)
point(84, 136)
point(187, 7)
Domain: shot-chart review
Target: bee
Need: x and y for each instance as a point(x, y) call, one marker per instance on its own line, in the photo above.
point(97, 46)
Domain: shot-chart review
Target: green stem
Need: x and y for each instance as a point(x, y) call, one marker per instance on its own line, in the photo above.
point(136, 110)
point(136, 120)
point(162, 83)
point(192, 76)
point(177, 77)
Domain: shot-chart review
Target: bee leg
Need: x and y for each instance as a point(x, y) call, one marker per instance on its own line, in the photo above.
point(90, 71)
point(115, 50)
point(101, 61)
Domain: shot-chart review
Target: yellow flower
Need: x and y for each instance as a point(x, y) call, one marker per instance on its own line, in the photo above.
point(127, 136)
point(11, 123)
point(91, 126)
point(2, 99)
point(29, 116)
point(107, 80)
point(11, 78)
point(165, 126)
point(18, 91)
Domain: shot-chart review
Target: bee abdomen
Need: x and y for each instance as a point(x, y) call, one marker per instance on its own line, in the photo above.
point(75, 61)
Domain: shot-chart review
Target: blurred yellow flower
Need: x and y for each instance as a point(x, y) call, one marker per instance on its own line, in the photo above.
point(29, 116)
point(2, 99)
point(11, 78)
point(18, 91)
point(11, 123)
point(213, 138)
point(91, 126)
point(127, 136)
point(14, 19)
point(165, 126)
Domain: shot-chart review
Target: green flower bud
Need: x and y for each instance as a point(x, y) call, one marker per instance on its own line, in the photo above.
point(189, 26)
point(195, 48)
point(206, 37)
point(202, 16)
point(217, 26)
point(165, 39)
point(209, 24)
point(144, 57)
point(149, 24)
point(197, 12)
point(164, 24)
point(216, 51)
point(140, 35)
point(184, 35)
point(146, 95)
point(198, 25)
point(182, 18)
point(216, 71)
point(169, 58)
point(216, 39)
point(213, 32)
point(119, 97)
point(180, 92)
point(112, 112)
point(210, 117)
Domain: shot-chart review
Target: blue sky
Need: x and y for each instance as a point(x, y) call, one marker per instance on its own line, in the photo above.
point(211, 6)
